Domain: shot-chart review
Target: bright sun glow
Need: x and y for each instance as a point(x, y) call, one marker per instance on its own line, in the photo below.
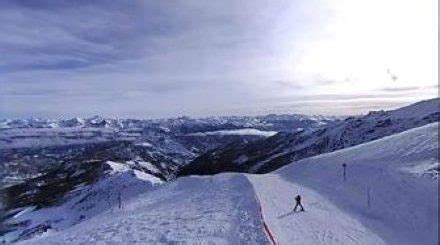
point(369, 45)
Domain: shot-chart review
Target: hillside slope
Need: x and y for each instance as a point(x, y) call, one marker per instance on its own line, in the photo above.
point(269, 154)
point(196, 210)
point(391, 191)
point(119, 182)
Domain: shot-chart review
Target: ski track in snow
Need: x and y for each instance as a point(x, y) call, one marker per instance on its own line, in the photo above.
point(381, 202)
point(321, 223)
point(403, 205)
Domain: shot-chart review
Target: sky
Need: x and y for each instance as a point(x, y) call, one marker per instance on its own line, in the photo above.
point(156, 59)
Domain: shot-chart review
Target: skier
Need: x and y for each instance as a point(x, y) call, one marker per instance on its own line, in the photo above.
point(298, 203)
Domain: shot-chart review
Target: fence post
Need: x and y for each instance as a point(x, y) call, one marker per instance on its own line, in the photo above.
point(368, 197)
point(344, 166)
point(120, 200)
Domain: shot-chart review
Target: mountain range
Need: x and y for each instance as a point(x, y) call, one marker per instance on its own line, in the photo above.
point(57, 174)
point(266, 155)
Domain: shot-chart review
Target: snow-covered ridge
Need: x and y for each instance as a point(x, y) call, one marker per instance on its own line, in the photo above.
point(84, 202)
point(244, 131)
point(29, 147)
point(217, 210)
point(25, 133)
point(269, 154)
point(181, 124)
point(399, 206)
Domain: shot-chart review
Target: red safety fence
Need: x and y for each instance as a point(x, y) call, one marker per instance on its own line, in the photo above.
point(266, 227)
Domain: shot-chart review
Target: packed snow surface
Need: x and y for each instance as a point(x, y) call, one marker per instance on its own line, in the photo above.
point(210, 210)
point(389, 196)
point(321, 223)
point(393, 205)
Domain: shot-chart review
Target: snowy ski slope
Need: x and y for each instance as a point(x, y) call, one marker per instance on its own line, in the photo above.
point(194, 210)
point(391, 187)
point(390, 197)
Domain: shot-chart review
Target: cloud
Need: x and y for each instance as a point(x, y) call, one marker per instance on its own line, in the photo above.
point(400, 89)
point(148, 58)
point(40, 35)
